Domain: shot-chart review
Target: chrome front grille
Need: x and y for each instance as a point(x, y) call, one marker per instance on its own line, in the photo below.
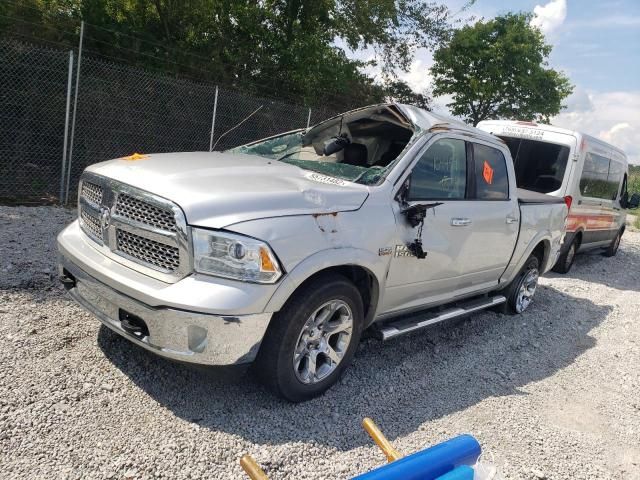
point(143, 212)
point(92, 192)
point(148, 251)
point(90, 223)
point(138, 229)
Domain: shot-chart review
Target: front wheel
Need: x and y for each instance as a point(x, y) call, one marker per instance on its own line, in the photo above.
point(612, 249)
point(521, 290)
point(312, 340)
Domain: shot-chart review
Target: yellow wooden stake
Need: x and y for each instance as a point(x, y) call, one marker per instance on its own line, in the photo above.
point(385, 445)
point(252, 469)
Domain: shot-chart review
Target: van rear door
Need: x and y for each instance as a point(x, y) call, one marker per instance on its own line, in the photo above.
point(541, 157)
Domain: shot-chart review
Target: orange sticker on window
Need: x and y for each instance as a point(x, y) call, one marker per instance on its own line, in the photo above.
point(487, 173)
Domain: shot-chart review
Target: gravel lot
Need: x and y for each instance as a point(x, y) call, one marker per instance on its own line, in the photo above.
point(553, 393)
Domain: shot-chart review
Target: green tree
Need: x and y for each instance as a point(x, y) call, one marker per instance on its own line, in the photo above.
point(400, 91)
point(498, 69)
point(284, 48)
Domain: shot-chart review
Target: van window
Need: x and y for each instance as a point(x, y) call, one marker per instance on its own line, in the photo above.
point(600, 177)
point(616, 173)
point(491, 179)
point(441, 172)
point(540, 166)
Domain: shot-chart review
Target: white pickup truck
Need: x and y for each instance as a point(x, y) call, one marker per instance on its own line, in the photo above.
point(282, 252)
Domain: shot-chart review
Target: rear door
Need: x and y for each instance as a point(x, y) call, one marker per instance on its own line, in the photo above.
point(496, 217)
point(542, 157)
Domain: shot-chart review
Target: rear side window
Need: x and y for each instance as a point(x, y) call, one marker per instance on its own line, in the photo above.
point(540, 166)
point(491, 179)
point(600, 177)
point(616, 174)
point(441, 172)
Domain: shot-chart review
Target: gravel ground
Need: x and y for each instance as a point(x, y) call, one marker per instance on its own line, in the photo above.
point(549, 394)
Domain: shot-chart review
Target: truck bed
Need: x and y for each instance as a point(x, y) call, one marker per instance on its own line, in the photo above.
point(530, 197)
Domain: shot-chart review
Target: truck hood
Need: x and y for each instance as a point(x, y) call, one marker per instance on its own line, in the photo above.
point(217, 189)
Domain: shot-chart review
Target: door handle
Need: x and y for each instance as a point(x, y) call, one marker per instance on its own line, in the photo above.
point(511, 219)
point(460, 222)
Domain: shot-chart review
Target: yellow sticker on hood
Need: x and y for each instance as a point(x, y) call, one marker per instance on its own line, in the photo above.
point(135, 156)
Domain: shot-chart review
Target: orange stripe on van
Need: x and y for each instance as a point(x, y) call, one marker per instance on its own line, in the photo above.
point(590, 222)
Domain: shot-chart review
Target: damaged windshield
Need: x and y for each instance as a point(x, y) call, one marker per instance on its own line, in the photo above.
point(358, 146)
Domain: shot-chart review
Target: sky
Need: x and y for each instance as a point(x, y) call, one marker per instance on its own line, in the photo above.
point(596, 43)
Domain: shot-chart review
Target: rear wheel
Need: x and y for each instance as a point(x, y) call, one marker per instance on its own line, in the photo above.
point(566, 259)
point(612, 249)
point(312, 340)
point(521, 290)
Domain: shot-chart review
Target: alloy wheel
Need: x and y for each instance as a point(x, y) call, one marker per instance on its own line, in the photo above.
point(527, 290)
point(323, 342)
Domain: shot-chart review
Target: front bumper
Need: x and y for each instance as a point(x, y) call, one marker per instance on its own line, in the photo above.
point(177, 334)
point(168, 330)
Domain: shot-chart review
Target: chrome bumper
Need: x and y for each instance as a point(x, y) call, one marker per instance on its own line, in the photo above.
point(177, 334)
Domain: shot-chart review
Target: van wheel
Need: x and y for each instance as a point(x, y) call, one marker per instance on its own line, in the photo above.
point(312, 340)
point(566, 259)
point(521, 290)
point(612, 249)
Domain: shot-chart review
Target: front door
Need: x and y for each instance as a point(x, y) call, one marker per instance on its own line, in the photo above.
point(439, 176)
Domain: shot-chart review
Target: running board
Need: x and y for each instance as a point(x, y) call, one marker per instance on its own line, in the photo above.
point(417, 321)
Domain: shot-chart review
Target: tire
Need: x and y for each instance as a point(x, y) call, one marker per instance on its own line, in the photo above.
point(612, 249)
point(520, 291)
point(566, 259)
point(309, 343)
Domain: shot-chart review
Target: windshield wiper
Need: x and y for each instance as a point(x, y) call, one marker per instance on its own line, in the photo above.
point(287, 155)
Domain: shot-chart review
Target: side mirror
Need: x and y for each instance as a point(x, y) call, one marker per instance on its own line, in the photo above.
point(624, 200)
point(336, 144)
point(415, 214)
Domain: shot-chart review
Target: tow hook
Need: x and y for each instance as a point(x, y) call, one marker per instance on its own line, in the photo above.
point(133, 325)
point(68, 280)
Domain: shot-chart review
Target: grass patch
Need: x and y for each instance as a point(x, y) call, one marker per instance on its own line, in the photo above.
point(633, 183)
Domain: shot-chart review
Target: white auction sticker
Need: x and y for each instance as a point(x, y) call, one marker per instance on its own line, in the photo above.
point(521, 132)
point(326, 179)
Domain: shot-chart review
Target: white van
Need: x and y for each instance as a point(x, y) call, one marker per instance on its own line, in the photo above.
point(590, 174)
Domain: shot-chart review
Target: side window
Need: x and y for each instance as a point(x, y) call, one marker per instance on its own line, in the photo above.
point(491, 178)
point(441, 172)
point(616, 173)
point(594, 179)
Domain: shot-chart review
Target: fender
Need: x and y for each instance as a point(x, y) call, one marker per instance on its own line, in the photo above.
point(573, 234)
point(332, 257)
point(514, 267)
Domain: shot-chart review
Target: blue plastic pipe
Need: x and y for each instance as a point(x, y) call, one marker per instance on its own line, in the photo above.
point(431, 463)
point(463, 472)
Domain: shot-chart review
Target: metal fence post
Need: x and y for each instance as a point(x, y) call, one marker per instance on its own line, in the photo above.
point(75, 108)
point(213, 119)
point(66, 126)
point(309, 118)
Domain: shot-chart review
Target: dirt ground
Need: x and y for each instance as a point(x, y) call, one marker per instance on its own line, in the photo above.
point(553, 393)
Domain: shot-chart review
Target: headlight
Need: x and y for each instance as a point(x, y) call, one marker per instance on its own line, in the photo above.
point(234, 256)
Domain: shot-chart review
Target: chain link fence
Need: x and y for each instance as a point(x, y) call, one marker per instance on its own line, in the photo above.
point(33, 93)
point(120, 110)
